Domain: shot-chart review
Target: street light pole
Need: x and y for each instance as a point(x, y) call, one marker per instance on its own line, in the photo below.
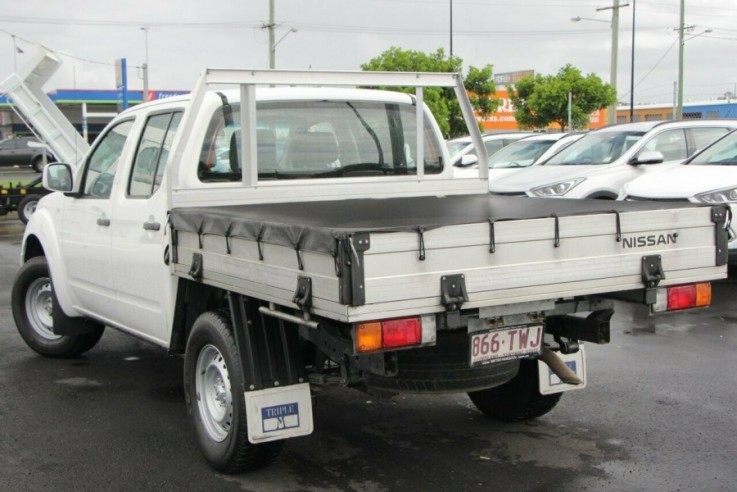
point(681, 42)
point(273, 49)
point(612, 109)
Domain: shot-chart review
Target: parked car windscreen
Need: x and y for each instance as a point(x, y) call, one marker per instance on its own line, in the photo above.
point(596, 148)
point(723, 153)
point(456, 146)
point(519, 154)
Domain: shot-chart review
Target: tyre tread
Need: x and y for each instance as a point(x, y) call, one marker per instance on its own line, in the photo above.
point(246, 455)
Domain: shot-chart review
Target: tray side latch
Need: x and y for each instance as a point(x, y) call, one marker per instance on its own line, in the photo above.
point(652, 270)
point(721, 218)
point(303, 294)
point(453, 294)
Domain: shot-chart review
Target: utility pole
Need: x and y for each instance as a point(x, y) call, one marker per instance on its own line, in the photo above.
point(632, 68)
point(145, 68)
point(272, 44)
point(612, 110)
point(451, 28)
point(681, 33)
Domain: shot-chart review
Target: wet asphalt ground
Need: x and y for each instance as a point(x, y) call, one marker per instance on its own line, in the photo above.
point(658, 414)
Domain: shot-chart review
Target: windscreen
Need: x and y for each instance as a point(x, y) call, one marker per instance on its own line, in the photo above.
point(522, 153)
point(320, 139)
point(596, 148)
point(722, 153)
point(456, 146)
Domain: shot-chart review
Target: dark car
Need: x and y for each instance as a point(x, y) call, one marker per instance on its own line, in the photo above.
point(16, 151)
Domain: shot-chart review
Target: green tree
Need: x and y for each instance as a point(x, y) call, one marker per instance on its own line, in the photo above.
point(543, 99)
point(441, 100)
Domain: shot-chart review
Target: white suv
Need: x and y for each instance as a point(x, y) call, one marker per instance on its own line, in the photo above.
point(602, 162)
point(708, 177)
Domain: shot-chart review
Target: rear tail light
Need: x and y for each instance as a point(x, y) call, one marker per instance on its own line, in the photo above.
point(372, 336)
point(681, 297)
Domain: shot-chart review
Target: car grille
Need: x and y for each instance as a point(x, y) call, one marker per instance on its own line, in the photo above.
point(632, 198)
point(511, 193)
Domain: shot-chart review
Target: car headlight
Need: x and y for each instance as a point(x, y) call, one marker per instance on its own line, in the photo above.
point(725, 195)
point(557, 189)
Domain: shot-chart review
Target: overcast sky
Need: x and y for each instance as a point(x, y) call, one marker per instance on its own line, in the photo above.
point(185, 36)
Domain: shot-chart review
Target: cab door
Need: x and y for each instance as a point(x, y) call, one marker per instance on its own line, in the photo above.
point(144, 287)
point(86, 222)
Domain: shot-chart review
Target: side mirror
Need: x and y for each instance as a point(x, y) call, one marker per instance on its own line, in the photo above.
point(57, 176)
point(468, 159)
point(647, 157)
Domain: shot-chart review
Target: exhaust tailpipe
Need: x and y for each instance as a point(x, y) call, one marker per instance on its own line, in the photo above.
point(559, 367)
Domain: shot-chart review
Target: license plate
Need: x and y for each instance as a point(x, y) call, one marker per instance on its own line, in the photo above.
point(505, 344)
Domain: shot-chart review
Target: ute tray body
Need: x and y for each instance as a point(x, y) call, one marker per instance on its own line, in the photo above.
point(383, 258)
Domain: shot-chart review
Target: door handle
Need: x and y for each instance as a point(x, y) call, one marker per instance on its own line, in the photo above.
point(103, 222)
point(151, 226)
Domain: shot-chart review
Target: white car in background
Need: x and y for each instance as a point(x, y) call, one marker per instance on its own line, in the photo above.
point(708, 177)
point(463, 154)
point(525, 152)
point(599, 164)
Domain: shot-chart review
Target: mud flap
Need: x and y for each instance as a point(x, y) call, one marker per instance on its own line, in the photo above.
point(279, 413)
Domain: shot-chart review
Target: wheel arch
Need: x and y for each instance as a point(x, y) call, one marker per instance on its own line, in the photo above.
point(42, 239)
point(193, 299)
point(603, 195)
point(32, 248)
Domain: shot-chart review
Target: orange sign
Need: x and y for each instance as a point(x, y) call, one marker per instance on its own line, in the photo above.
point(503, 118)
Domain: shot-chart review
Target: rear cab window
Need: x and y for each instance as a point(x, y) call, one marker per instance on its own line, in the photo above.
point(320, 139)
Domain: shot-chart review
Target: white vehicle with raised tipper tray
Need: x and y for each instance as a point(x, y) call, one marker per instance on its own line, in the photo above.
point(281, 230)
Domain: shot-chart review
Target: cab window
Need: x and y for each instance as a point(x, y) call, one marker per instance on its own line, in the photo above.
point(103, 163)
point(153, 151)
point(320, 139)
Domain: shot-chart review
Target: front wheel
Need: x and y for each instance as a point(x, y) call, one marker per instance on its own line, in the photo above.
point(213, 388)
point(32, 301)
point(518, 399)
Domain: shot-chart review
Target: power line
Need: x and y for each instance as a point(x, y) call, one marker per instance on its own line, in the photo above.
point(314, 27)
point(61, 53)
point(133, 23)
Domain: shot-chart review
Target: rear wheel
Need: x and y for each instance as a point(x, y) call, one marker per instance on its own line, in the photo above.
point(441, 368)
point(213, 385)
point(27, 207)
point(518, 399)
point(38, 164)
point(32, 301)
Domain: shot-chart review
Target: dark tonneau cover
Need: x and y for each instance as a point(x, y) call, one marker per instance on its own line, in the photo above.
point(315, 226)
